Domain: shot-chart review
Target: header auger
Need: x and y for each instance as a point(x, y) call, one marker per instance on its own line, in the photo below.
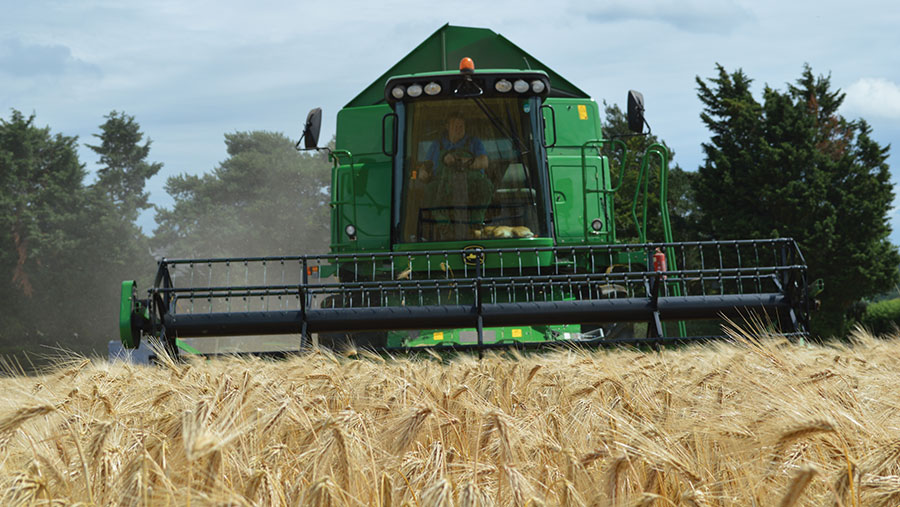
point(473, 209)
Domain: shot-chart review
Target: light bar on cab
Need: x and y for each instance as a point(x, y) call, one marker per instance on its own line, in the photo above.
point(467, 83)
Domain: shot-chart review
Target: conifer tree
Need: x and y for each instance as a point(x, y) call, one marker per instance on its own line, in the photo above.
point(792, 166)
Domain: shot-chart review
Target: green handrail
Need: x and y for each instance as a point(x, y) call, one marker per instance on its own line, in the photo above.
point(600, 143)
point(663, 154)
point(600, 184)
point(334, 156)
point(644, 178)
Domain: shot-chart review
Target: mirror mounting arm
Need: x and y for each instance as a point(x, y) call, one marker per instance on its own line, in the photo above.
point(311, 131)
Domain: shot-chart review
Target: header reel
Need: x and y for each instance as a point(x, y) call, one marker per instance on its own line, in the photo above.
point(390, 300)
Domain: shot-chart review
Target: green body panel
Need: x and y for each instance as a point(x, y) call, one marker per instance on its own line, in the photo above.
point(491, 335)
point(424, 262)
point(574, 125)
point(361, 182)
point(433, 262)
point(448, 45)
point(359, 130)
point(575, 167)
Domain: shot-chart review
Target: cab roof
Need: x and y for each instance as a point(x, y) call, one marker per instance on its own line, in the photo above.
point(443, 50)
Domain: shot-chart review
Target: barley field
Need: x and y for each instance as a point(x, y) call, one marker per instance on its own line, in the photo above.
point(751, 422)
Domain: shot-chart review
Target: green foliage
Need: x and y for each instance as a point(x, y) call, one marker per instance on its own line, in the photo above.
point(882, 317)
point(680, 197)
point(67, 246)
point(265, 199)
point(40, 203)
point(124, 169)
point(792, 166)
point(64, 246)
point(113, 204)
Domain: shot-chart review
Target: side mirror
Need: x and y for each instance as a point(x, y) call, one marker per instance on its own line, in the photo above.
point(311, 129)
point(635, 111)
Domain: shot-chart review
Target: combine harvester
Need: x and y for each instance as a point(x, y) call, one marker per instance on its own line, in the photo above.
point(473, 208)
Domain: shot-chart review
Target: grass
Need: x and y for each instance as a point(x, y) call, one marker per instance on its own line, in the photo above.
point(746, 423)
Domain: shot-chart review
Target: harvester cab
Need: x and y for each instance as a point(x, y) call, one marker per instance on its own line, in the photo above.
point(473, 208)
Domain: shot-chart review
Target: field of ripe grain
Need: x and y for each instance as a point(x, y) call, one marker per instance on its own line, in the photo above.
point(747, 423)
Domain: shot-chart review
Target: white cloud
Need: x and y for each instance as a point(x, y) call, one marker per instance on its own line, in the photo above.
point(874, 97)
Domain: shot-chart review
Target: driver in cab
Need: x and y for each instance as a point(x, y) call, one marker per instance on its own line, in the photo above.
point(455, 145)
point(459, 191)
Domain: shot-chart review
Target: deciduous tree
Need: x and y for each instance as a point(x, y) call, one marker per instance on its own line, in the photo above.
point(41, 195)
point(64, 246)
point(264, 199)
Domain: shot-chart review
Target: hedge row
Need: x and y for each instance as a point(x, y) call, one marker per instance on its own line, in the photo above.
point(882, 317)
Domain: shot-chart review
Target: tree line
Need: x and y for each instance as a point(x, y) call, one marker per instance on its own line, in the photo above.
point(789, 165)
point(67, 244)
point(786, 165)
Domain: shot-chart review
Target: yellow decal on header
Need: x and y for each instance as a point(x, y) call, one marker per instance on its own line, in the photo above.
point(582, 112)
point(516, 333)
point(439, 335)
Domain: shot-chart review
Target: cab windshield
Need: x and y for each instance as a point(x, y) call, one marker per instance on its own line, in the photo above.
point(470, 170)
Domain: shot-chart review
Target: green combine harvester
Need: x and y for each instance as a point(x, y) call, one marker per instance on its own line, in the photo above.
point(473, 208)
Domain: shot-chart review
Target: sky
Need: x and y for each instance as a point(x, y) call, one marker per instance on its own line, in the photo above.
point(190, 72)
